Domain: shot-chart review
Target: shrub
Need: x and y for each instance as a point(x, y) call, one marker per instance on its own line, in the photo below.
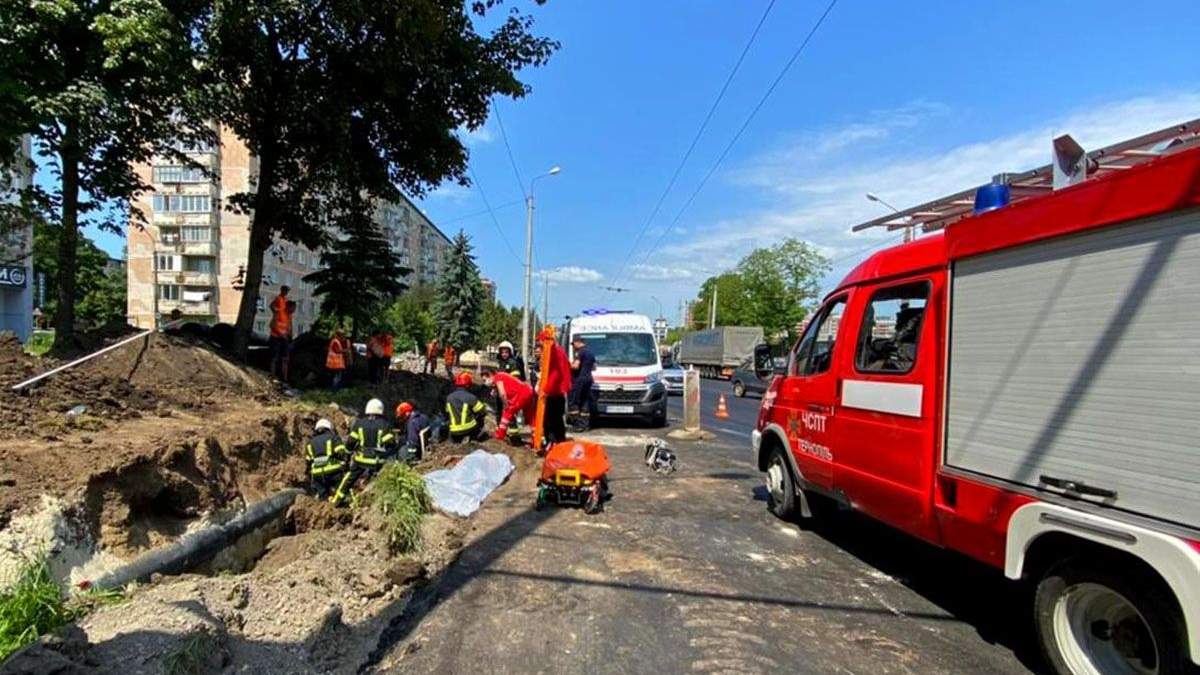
point(399, 494)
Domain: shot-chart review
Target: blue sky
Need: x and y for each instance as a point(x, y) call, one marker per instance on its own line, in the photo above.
point(909, 100)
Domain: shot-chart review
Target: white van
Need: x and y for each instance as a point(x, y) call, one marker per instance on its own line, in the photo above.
point(628, 376)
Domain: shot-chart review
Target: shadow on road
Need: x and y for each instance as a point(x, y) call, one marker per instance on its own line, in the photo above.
point(999, 609)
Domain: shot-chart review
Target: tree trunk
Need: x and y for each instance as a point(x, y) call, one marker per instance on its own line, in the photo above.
point(64, 318)
point(261, 229)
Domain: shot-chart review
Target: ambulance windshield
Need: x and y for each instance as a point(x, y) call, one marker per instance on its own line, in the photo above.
point(622, 349)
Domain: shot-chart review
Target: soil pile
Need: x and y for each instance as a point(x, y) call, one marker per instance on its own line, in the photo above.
point(145, 377)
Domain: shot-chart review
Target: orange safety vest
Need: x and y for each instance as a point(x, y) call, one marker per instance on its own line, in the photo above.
point(388, 348)
point(431, 350)
point(335, 359)
point(448, 355)
point(281, 318)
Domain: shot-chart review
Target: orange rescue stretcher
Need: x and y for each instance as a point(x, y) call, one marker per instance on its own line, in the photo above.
point(574, 473)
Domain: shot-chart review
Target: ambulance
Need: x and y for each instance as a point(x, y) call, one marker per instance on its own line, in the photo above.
point(1022, 385)
point(629, 374)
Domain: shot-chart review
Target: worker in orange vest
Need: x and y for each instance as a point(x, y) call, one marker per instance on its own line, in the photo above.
point(336, 358)
point(379, 356)
point(281, 332)
point(450, 358)
point(431, 355)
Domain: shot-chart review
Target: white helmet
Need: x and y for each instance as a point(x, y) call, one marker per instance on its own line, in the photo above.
point(374, 407)
point(324, 425)
point(504, 345)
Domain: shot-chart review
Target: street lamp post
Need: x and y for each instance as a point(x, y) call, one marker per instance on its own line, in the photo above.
point(659, 303)
point(529, 262)
point(908, 233)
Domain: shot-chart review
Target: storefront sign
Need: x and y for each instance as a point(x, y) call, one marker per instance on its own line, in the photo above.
point(12, 276)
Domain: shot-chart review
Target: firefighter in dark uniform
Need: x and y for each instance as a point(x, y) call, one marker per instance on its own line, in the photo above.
point(326, 459)
point(465, 411)
point(508, 362)
point(371, 442)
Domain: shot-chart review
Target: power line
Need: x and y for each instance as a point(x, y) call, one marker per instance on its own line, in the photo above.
point(724, 153)
point(508, 150)
point(468, 216)
point(872, 247)
point(695, 139)
point(492, 213)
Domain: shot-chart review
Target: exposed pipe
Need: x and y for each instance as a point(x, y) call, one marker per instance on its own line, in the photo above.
point(48, 373)
point(197, 547)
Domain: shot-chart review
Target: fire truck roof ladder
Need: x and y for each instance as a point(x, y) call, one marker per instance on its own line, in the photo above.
point(1067, 169)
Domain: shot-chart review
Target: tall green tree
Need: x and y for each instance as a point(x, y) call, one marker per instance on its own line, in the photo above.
point(99, 86)
point(360, 273)
point(460, 297)
point(354, 95)
point(410, 319)
point(499, 323)
point(100, 291)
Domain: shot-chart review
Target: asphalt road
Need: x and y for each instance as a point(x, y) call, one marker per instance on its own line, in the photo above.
point(689, 573)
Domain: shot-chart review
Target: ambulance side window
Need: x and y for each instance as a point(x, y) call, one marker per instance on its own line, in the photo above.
point(891, 327)
point(814, 353)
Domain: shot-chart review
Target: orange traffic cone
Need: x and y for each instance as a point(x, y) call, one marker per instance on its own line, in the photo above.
point(722, 411)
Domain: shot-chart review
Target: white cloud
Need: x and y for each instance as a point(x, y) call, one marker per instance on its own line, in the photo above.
point(572, 274)
point(480, 136)
point(818, 182)
point(658, 273)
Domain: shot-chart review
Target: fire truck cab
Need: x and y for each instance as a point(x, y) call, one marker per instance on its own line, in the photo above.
point(1023, 387)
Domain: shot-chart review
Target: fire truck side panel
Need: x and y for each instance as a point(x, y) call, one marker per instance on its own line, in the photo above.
point(1078, 359)
point(973, 517)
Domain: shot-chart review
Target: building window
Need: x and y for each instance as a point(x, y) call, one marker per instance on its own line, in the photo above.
point(165, 262)
point(195, 264)
point(168, 292)
point(192, 146)
point(182, 203)
point(301, 257)
point(197, 233)
point(178, 174)
point(169, 235)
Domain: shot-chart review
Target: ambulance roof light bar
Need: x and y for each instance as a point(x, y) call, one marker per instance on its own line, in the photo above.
point(943, 211)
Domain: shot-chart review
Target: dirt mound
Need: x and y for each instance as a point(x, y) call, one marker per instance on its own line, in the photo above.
point(156, 376)
point(309, 513)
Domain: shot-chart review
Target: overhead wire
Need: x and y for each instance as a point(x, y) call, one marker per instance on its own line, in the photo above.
point(733, 141)
point(695, 140)
point(476, 214)
point(508, 151)
point(492, 212)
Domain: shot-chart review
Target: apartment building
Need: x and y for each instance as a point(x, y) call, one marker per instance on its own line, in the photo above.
point(191, 256)
point(16, 259)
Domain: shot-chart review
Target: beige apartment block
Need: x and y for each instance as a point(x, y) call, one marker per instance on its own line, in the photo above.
point(191, 256)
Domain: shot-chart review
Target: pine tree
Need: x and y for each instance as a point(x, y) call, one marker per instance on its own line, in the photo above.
point(360, 274)
point(459, 307)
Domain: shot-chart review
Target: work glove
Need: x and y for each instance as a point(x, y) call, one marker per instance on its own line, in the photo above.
point(501, 432)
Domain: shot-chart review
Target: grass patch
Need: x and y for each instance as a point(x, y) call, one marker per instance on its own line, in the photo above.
point(190, 656)
point(32, 607)
point(40, 342)
point(354, 397)
point(399, 494)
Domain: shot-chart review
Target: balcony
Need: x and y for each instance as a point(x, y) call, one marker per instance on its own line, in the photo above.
point(179, 278)
point(173, 218)
point(175, 245)
point(188, 308)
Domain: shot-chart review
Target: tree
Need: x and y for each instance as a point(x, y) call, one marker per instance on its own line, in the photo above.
point(100, 292)
point(499, 323)
point(360, 273)
point(410, 319)
point(353, 95)
point(773, 287)
point(459, 304)
point(99, 86)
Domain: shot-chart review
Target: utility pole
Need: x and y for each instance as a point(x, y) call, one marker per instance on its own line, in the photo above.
point(712, 314)
point(526, 308)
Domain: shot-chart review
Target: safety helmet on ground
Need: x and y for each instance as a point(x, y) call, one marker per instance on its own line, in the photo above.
point(504, 345)
point(463, 380)
point(324, 425)
point(403, 410)
point(374, 407)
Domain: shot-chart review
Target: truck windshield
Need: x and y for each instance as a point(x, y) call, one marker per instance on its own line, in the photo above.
point(622, 349)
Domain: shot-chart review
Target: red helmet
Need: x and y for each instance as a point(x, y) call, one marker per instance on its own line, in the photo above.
point(403, 410)
point(463, 380)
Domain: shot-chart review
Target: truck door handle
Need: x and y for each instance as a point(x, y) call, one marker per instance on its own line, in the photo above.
point(1077, 487)
point(823, 409)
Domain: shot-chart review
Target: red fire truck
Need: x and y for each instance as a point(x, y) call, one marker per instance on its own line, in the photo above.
point(1022, 385)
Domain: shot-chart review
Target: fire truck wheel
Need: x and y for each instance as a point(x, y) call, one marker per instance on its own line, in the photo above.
point(781, 485)
point(1094, 618)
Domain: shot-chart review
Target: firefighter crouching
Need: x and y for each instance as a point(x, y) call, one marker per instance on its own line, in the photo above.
point(370, 443)
point(465, 411)
point(326, 458)
point(516, 397)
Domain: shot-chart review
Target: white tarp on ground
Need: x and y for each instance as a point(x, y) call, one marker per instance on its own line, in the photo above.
point(459, 491)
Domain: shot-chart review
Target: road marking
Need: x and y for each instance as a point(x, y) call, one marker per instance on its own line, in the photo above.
point(731, 432)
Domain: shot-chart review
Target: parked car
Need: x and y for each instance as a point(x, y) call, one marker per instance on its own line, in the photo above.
point(673, 378)
point(745, 379)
